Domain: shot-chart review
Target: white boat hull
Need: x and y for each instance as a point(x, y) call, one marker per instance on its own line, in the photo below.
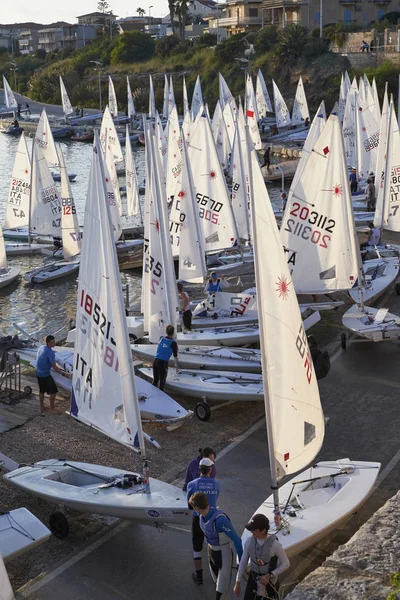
point(8, 275)
point(20, 531)
point(212, 385)
point(63, 482)
point(366, 324)
point(155, 405)
point(222, 336)
point(135, 330)
point(5, 585)
point(21, 248)
point(56, 270)
point(244, 360)
point(320, 510)
point(379, 274)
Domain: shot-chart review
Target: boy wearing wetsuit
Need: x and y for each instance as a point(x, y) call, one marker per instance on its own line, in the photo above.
point(167, 347)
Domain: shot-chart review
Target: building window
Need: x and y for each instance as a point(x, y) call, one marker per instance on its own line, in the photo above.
point(347, 16)
point(381, 13)
point(253, 12)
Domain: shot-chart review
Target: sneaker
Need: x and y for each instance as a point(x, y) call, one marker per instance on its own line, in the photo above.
point(198, 577)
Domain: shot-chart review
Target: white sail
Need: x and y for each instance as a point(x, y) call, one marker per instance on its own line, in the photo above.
point(112, 98)
point(44, 139)
point(221, 136)
point(251, 97)
point(349, 128)
point(262, 96)
point(45, 202)
point(113, 191)
point(109, 133)
point(239, 189)
point(70, 232)
point(161, 141)
point(282, 114)
point(197, 99)
point(166, 98)
point(381, 155)
point(185, 98)
point(225, 94)
point(18, 200)
point(186, 127)
point(367, 137)
point(173, 179)
point(388, 205)
point(252, 115)
point(9, 97)
point(314, 133)
point(294, 415)
point(230, 122)
point(103, 387)
point(66, 103)
point(160, 302)
point(152, 103)
point(317, 230)
point(300, 107)
point(342, 98)
point(132, 188)
point(211, 192)
point(192, 264)
point(171, 96)
point(131, 104)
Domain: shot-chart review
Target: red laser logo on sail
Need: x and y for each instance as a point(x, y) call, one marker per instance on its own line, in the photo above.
point(282, 287)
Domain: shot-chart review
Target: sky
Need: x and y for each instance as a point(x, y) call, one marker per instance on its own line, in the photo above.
point(46, 11)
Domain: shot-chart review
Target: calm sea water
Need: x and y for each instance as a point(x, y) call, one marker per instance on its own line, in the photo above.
point(43, 309)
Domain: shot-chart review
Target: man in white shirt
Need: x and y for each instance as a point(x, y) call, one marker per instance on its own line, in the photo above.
point(374, 237)
point(267, 560)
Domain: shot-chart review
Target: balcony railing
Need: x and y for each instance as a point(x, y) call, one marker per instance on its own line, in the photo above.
point(283, 3)
point(238, 21)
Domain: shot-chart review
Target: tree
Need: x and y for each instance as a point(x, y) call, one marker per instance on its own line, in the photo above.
point(103, 6)
point(132, 46)
point(266, 38)
point(141, 12)
point(166, 44)
point(292, 41)
point(206, 39)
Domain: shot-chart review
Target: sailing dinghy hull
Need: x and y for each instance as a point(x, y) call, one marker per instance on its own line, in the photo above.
point(56, 270)
point(8, 275)
point(379, 274)
point(78, 486)
point(213, 385)
point(368, 323)
point(21, 249)
point(20, 531)
point(244, 360)
point(319, 508)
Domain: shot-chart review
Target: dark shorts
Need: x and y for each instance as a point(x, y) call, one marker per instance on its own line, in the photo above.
point(47, 385)
point(197, 534)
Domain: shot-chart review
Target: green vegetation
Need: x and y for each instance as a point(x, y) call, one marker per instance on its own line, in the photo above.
point(281, 54)
point(394, 579)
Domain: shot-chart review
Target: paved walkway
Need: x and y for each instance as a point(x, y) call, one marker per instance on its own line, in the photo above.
point(361, 397)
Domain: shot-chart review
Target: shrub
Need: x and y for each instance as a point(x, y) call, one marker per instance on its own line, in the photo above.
point(265, 39)
point(132, 46)
point(166, 44)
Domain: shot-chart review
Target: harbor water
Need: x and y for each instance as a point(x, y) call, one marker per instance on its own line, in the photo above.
point(46, 308)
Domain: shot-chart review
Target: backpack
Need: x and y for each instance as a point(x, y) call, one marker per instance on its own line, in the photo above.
point(322, 364)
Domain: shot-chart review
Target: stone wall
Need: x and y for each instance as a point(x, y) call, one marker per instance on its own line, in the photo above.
point(360, 569)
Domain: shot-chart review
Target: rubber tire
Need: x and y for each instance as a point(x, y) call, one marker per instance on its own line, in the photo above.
point(59, 526)
point(398, 289)
point(203, 411)
point(8, 400)
point(132, 338)
point(343, 341)
point(28, 390)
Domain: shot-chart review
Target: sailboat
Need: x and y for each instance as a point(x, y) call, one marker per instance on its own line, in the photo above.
point(112, 98)
point(367, 322)
point(9, 97)
point(312, 504)
point(70, 232)
point(104, 390)
point(66, 102)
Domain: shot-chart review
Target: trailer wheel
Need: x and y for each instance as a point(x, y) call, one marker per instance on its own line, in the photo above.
point(28, 390)
point(59, 526)
point(343, 341)
point(203, 411)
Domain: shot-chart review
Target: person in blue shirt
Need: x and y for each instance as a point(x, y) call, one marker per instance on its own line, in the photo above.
point(215, 284)
point(211, 488)
point(45, 361)
point(167, 347)
point(353, 181)
point(219, 533)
